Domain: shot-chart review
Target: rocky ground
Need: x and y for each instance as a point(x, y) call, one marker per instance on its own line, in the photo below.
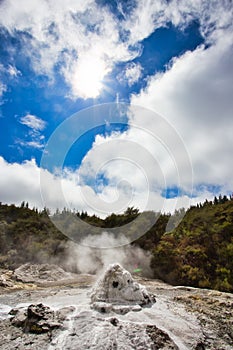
point(52, 310)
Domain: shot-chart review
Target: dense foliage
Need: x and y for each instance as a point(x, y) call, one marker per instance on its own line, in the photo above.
point(27, 236)
point(198, 252)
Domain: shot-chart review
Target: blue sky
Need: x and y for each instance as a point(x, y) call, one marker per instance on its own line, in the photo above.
point(32, 93)
point(173, 58)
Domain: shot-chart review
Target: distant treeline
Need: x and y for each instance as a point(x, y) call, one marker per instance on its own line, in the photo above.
point(198, 252)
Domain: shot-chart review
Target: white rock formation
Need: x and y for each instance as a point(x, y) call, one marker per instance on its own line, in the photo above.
point(117, 287)
point(33, 273)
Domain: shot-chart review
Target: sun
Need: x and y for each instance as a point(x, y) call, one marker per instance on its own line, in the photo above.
point(88, 77)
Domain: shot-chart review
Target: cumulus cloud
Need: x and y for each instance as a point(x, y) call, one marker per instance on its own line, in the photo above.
point(28, 182)
point(66, 34)
point(20, 182)
point(148, 15)
point(135, 167)
point(195, 96)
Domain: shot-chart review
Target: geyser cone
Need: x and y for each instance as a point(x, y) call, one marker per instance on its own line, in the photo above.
point(117, 286)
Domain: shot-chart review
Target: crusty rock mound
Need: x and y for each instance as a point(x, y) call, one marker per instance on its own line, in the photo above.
point(35, 319)
point(109, 333)
point(117, 287)
point(33, 273)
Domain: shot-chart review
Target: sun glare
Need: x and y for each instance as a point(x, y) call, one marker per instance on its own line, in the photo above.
point(88, 77)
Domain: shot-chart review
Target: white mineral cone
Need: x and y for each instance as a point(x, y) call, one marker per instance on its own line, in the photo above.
point(117, 286)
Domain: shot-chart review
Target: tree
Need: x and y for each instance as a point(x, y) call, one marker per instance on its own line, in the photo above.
point(131, 211)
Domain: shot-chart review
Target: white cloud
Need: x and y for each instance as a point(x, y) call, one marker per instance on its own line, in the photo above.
point(145, 18)
point(149, 15)
point(131, 74)
point(134, 167)
point(33, 122)
point(3, 88)
point(71, 33)
point(28, 182)
point(195, 96)
point(20, 182)
point(13, 71)
point(33, 138)
point(30, 144)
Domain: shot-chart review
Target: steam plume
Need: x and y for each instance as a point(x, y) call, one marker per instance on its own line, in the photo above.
point(85, 259)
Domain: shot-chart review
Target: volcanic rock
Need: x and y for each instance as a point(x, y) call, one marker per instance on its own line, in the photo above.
point(117, 288)
point(182, 318)
point(95, 333)
point(33, 273)
point(35, 319)
point(5, 279)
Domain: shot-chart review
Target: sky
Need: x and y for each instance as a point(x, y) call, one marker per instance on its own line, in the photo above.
point(111, 104)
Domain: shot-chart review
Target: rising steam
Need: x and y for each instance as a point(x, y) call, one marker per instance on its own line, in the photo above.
point(83, 258)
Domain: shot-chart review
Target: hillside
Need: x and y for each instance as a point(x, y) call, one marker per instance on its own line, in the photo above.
point(27, 236)
point(199, 252)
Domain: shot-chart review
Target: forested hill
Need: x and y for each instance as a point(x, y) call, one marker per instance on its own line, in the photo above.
point(27, 235)
point(199, 252)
